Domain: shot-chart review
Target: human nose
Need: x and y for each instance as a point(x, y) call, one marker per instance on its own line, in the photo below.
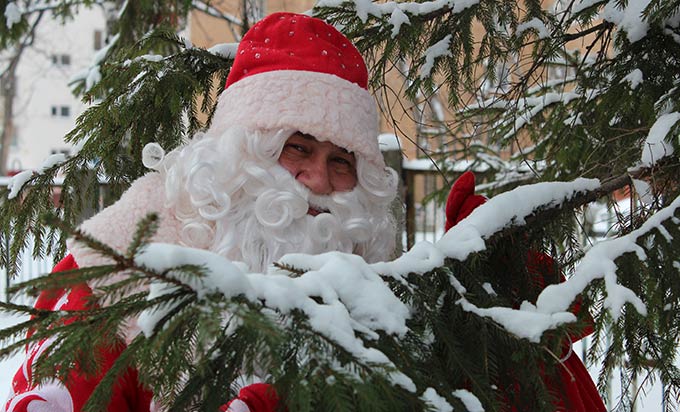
point(315, 176)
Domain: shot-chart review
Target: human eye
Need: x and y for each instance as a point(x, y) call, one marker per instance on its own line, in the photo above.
point(296, 147)
point(344, 164)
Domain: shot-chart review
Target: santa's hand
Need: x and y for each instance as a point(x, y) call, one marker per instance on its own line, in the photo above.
point(462, 199)
point(258, 397)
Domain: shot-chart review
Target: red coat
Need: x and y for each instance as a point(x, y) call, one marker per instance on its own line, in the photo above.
point(71, 395)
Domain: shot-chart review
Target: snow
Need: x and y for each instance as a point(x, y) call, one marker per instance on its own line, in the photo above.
point(629, 19)
point(472, 404)
point(535, 24)
point(388, 142)
point(354, 297)
point(634, 78)
point(365, 7)
point(397, 19)
point(439, 49)
point(468, 236)
point(422, 257)
point(598, 263)
point(151, 57)
point(340, 277)
point(221, 275)
point(51, 161)
point(226, 50)
point(525, 322)
point(149, 318)
point(655, 148)
point(17, 182)
point(92, 74)
point(12, 14)
point(488, 289)
point(436, 402)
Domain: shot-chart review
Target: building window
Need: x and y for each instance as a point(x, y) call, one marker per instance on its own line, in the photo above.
point(98, 39)
point(63, 111)
point(61, 59)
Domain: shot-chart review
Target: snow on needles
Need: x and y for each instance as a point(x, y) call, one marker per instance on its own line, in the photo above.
point(655, 147)
point(12, 14)
point(18, 181)
point(354, 297)
point(598, 263)
point(534, 24)
point(468, 235)
point(439, 49)
point(397, 10)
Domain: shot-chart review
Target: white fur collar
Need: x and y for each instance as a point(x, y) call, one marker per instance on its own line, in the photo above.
point(115, 226)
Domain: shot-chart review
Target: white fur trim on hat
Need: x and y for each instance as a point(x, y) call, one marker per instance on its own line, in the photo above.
point(322, 105)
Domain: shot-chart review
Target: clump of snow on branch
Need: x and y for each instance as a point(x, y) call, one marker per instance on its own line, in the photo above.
point(525, 322)
point(630, 18)
point(18, 181)
point(12, 14)
point(226, 50)
point(221, 275)
point(439, 49)
point(472, 404)
point(92, 75)
point(397, 18)
point(655, 146)
point(469, 234)
point(534, 24)
point(634, 78)
point(398, 10)
point(436, 402)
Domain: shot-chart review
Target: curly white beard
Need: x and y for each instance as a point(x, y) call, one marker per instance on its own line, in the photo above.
point(233, 198)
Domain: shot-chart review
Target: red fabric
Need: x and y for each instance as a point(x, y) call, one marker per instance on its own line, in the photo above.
point(575, 389)
point(288, 41)
point(72, 394)
point(462, 200)
point(259, 397)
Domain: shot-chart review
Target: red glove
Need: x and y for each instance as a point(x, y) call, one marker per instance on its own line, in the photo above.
point(258, 397)
point(462, 199)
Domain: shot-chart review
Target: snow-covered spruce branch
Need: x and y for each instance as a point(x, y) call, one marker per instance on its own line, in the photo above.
point(579, 199)
point(338, 309)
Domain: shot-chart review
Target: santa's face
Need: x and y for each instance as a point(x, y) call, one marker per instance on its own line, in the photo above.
point(278, 193)
point(322, 167)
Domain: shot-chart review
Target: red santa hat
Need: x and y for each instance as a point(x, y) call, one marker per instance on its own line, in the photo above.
point(292, 71)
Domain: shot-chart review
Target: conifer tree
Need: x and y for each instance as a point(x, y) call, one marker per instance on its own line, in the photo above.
point(563, 127)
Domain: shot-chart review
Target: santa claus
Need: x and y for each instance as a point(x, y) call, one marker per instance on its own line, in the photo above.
point(290, 163)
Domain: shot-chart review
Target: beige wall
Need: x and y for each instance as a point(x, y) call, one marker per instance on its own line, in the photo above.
point(206, 31)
